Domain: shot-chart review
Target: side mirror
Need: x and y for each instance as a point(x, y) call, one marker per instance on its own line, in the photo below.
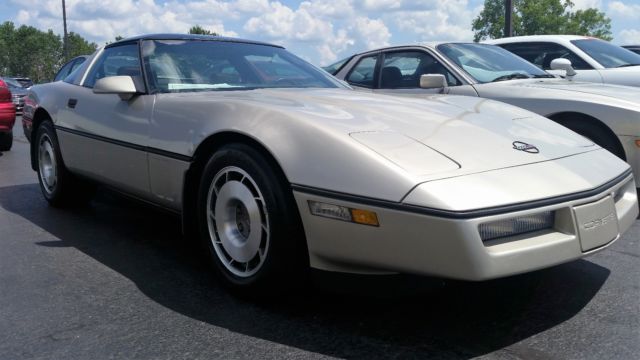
point(123, 86)
point(433, 81)
point(563, 64)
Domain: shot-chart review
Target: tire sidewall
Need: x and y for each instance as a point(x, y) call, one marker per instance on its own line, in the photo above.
point(6, 141)
point(46, 128)
point(282, 228)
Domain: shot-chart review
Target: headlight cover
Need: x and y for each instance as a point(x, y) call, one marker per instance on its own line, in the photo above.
point(516, 225)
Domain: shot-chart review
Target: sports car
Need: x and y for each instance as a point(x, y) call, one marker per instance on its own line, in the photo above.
point(609, 115)
point(591, 59)
point(279, 167)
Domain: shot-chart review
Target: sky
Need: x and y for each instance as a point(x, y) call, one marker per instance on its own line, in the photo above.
point(319, 31)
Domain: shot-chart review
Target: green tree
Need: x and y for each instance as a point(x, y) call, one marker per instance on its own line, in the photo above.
point(590, 22)
point(539, 17)
point(79, 46)
point(197, 29)
point(27, 51)
point(116, 39)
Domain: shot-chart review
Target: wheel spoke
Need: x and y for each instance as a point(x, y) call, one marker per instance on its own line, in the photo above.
point(232, 192)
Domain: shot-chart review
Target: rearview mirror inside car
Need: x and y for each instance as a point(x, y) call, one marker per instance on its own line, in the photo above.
point(123, 86)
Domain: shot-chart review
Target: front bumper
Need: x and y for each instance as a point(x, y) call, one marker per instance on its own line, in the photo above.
point(418, 243)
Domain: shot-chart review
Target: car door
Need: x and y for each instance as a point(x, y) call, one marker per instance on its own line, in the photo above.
point(101, 135)
point(542, 53)
point(400, 73)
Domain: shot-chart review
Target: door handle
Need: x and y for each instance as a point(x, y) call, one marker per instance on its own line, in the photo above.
point(72, 103)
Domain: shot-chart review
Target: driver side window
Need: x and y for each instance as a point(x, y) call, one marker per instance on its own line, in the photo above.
point(114, 61)
point(363, 74)
point(541, 54)
point(402, 70)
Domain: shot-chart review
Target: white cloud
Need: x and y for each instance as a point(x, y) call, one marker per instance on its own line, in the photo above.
point(337, 9)
point(23, 16)
point(586, 4)
point(373, 33)
point(101, 21)
point(251, 6)
point(319, 30)
point(628, 37)
point(450, 20)
point(622, 10)
point(381, 4)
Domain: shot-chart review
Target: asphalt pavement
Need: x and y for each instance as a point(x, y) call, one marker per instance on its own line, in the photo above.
point(116, 280)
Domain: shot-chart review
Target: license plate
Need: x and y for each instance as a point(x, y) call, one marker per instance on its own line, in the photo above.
point(597, 223)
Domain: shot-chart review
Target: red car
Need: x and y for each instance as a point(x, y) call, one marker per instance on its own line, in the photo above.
point(7, 117)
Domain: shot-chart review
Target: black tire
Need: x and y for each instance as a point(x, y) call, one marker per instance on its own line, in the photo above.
point(285, 262)
point(62, 189)
point(6, 141)
point(599, 135)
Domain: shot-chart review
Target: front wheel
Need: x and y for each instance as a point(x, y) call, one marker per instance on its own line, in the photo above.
point(6, 141)
point(250, 223)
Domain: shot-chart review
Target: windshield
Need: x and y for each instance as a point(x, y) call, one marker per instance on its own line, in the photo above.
point(607, 54)
point(488, 63)
point(196, 65)
point(333, 68)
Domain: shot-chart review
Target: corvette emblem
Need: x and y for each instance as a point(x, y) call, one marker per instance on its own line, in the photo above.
point(522, 146)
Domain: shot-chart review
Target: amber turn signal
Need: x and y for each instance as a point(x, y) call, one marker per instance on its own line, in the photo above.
point(364, 217)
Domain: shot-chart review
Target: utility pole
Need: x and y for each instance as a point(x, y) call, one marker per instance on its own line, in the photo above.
point(508, 23)
point(65, 46)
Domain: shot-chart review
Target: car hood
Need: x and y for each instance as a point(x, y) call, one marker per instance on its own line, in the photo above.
point(474, 134)
point(561, 86)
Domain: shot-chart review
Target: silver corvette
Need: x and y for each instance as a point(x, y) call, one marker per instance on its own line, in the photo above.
point(278, 166)
point(609, 115)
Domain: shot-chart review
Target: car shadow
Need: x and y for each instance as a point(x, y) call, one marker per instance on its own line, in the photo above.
point(380, 317)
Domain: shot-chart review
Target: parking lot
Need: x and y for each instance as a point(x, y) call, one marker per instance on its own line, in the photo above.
point(116, 280)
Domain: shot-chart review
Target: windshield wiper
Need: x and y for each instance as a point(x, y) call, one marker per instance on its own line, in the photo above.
point(540, 76)
point(625, 65)
point(511, 76)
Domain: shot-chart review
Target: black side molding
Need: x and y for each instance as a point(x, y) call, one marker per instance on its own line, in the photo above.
point(150, 150)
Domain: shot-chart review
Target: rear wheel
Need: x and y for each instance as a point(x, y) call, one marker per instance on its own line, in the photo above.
point(58, 185)
point(6, 141)
point(249, 221)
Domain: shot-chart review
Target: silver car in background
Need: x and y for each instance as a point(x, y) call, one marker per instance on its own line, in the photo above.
point(279, 167)
point(609, 115)
point(592, 59)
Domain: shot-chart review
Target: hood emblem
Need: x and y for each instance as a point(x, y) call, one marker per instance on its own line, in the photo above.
point(522, 146)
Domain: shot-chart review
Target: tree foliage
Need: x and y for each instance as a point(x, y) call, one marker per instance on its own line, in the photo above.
point(27, 51)
point(79, 46)
point(197, 29)
point(540, 17)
